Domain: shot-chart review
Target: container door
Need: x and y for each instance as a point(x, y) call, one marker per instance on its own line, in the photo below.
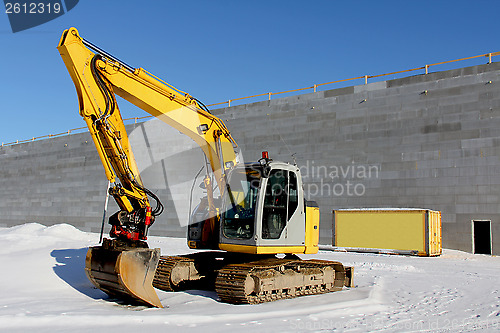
point(435, 247)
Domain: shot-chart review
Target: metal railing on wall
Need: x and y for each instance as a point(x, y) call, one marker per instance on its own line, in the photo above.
point(270, 94)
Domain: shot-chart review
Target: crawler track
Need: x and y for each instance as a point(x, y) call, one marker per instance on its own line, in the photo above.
point(162, 279)
point(270, 280)
point(251, 281)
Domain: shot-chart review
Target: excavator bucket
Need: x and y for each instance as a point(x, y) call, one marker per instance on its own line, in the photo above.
point(124, 274)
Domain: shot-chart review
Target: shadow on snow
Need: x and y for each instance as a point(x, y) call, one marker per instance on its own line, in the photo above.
point(70, 267)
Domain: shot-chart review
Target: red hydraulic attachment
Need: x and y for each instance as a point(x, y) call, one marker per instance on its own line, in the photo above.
point(120, 233)
point(147, 221)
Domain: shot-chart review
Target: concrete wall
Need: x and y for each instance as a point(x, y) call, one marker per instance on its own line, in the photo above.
point(51, 181)
point(427, 141)
point(62, 180)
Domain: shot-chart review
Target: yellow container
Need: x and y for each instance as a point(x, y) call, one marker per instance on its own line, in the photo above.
point(388, 230)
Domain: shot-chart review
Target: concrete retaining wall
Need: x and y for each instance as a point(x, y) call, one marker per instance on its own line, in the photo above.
point(427, 141)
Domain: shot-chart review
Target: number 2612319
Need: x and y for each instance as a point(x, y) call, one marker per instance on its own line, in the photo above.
point(32, 8)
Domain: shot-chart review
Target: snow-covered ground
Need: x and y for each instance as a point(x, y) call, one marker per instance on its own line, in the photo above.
point(43, 288)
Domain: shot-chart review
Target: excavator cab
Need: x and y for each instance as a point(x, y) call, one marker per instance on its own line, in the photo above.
point(264, 212)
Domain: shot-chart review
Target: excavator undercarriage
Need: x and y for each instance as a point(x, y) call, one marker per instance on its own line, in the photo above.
point(129, 274)
point(251, 279)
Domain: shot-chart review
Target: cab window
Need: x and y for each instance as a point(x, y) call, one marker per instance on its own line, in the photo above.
point(239, 219)
point(280, 202)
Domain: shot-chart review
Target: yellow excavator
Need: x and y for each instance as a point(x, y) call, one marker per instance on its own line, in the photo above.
point(253, 230)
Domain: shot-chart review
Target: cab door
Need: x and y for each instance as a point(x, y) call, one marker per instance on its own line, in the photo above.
point(282, 219)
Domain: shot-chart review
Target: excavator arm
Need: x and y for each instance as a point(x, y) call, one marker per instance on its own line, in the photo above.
point(98, 76)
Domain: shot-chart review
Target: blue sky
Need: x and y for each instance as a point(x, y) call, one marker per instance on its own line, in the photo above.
point(219, 50)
